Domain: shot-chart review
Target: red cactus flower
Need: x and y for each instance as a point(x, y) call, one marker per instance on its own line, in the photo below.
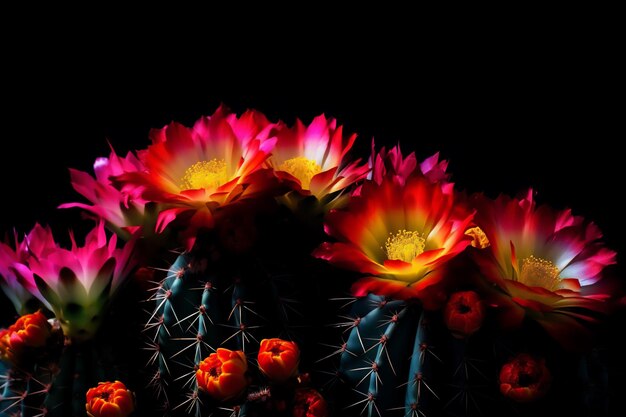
point(30, 331)
point(464, 313)
point(524, 379)
point(278, 359)
point(123, 211)
point(400, 236)
point(195, 170)
point(309, 403)
point(313, 158)
point(109, 399)
point(223, 374)
point(547, 264)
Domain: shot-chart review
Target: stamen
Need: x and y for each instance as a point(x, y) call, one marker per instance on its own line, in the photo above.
point(404, 245)
point(479, 238)
point(538, 272)
point(205, 174)
point(302, 168)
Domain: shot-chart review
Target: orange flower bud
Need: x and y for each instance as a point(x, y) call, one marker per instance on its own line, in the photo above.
point(30, 331)
point(309, 403)
point(524, 379)
point(109, 399)
point(278, 359)
point(464, 313)
point(223, 374)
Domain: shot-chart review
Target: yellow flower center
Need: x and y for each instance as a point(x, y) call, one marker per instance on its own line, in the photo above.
point(205, 174)
point(538, 272)
point(302, 168)
point(404, 245)
point(479, 238)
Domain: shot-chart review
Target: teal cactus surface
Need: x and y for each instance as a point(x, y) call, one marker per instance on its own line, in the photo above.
point(208, 300)
point(387, 342)
point(56, 386)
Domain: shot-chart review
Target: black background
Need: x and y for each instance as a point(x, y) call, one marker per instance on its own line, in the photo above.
point(509, 107)
point(510, 113)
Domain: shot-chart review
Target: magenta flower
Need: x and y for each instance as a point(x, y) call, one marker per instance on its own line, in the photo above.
point(392, 163)
point(76, 284)
point(16, 279)
point(313, 160)
point(123, 211)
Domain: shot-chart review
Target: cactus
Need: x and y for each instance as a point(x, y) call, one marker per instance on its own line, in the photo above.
point(250, 200)
point(382, 334)
point(396, 359)
point(208, 299)
point(54, 389)
point(399, 359)
point(55, 384)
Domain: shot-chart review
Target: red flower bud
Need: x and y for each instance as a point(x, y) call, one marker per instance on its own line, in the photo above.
point(30, 331)
point(109, 399)
point(309, 403)
point(223, 374)
point(464, 313)
point(524, 379)
point(278, 359)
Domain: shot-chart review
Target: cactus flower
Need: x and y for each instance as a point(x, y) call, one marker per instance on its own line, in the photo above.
point(309, 403)
point(195, 170)
point(399, 236)
point(278, 359)
point(30, 331)
point(547, 265)
point(313, 158)
point(109, 399)
point(464, 313)
point(75, 284)
point(524, 379)
point(223, 374)
point(123, 211)
point(392, 163)
point(16, 279)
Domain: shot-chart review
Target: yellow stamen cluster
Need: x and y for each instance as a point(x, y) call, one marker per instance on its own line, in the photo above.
point(404, 246)
point(205, 174)
point(302, 168)
point(479, 238)
point(538, 272)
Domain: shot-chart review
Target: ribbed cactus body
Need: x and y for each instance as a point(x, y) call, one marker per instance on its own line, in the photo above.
point(395, 359)
point(386, 359)
point(204, 302)
point(58, 387)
